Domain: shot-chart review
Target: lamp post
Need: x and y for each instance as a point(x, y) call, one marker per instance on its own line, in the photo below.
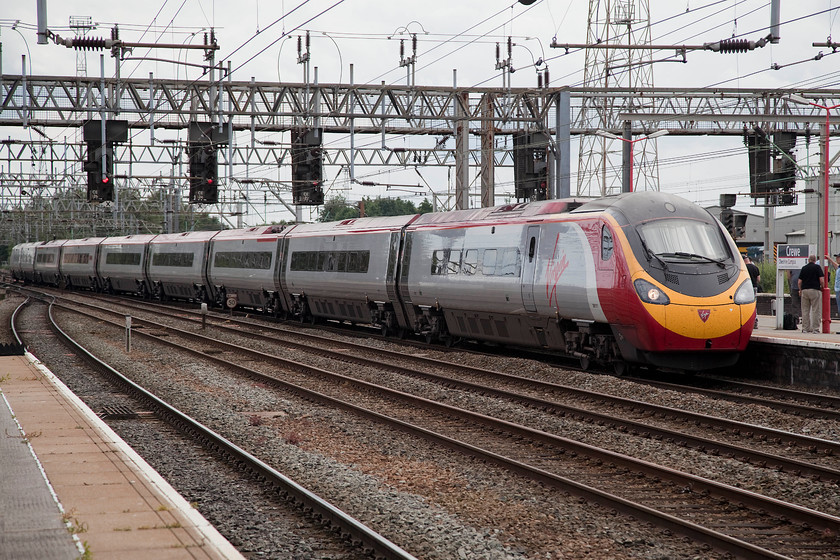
point(628, 165)
point(826, 292)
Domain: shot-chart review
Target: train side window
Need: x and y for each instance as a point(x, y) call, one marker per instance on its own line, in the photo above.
point(438, 262)
point(364, 261)
point(488, 263)
point(607, 244)
point(454, 262)
point(353, 261)
point(511, 263)
point(322, 261)
point(342, 262)
point(470, 263)
point(531, 249)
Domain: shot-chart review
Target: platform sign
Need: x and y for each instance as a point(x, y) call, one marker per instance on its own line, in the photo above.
point(792, 257)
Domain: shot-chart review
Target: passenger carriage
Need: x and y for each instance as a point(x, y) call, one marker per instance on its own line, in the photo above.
point(122, 264)
point(244, 266)
point(78, 263)
point(47, 259)
point(345, 271)
point(177, 266)
point(22, 262)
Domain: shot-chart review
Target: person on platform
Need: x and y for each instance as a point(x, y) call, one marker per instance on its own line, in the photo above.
point(755, 273)
point(796, 303)
point(811, 284)
point(835, 264)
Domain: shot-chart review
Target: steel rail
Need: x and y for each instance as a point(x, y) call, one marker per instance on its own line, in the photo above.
point(286, 487)
point(787, 407)
point(706, 445)
point(805, 516)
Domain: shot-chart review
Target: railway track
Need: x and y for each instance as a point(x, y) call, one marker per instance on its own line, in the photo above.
point(794, 453)
point(757, 526)
point(315, 519)
point(801, 403)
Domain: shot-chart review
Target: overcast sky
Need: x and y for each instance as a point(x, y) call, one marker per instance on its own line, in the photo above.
point(259, 37)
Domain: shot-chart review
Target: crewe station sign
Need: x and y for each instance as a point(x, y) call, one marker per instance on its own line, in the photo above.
point(792, 257)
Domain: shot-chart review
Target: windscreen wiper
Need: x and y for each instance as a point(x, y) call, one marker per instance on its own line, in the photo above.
point(719, 262)
point(650, 253)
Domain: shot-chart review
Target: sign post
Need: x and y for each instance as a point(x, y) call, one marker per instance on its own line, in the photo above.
point(788, 257)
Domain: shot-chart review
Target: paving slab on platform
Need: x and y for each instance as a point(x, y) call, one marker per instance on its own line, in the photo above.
point(71, 486)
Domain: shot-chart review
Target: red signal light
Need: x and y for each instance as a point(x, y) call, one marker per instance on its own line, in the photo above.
point(105, 179)
point(209, 181)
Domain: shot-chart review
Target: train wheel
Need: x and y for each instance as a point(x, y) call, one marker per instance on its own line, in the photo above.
point(621, 367)
point(384, 330)
point(585, 362)
point(429, 338)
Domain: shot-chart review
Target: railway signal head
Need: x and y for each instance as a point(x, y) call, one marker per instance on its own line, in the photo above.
point(204, 176)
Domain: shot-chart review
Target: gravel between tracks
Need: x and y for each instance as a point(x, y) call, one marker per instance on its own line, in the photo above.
point(434, 503)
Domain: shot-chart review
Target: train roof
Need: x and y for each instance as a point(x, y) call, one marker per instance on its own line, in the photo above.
point(184, 237)
point(506, 212)
point(84, 242)
point(251, 232)
point(130, 239)
point(352, 225)
point(642, 206)
point(54, 243)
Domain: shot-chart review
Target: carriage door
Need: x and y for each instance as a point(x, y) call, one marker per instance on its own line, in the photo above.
point(529, 268)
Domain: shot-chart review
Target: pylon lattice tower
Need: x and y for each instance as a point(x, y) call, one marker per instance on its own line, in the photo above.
point(80, 26)
point(614, 22)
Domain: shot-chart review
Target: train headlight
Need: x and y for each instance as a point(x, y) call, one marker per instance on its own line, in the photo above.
point(649, 293)
point(745, 293)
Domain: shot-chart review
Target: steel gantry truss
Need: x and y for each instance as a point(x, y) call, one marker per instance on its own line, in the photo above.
point(151, 165)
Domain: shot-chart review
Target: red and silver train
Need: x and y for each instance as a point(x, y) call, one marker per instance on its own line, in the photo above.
point(640, 278)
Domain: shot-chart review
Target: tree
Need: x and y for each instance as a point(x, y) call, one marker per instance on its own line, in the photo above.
point(425, 207)
point(337, 208)
point(388, 207)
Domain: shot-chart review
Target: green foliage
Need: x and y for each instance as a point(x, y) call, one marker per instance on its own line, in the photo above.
point(767, 284)
point(425, 207)
point(338, 208)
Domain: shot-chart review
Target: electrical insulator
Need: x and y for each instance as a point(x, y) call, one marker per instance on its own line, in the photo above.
point(735, 45)
point(89, 43)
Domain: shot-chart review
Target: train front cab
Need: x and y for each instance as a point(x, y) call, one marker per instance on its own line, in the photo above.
point(695, 305)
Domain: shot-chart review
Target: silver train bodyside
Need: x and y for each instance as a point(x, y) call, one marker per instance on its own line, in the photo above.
point(552, 274)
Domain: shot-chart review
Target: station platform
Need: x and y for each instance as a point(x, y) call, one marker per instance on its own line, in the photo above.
point(790, 356)
point(767, 328)
point(72, 488)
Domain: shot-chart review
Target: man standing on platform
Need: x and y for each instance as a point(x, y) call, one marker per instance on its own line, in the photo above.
point(755, 273)
point(811, 284)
